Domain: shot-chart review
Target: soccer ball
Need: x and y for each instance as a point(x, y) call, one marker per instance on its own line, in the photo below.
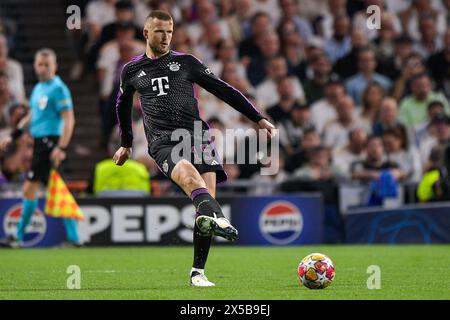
point(316, 271)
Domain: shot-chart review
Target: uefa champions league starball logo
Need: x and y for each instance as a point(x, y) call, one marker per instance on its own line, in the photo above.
point(35, 231)
point(281, 222)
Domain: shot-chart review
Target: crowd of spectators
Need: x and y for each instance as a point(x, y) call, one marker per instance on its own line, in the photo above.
point(352, 103)
point(16, 160)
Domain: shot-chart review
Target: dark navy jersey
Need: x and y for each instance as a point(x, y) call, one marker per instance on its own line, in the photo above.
point(166, 89)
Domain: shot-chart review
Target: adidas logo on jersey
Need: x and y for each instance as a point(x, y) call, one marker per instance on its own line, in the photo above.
point(214, 163)
point(141, 74)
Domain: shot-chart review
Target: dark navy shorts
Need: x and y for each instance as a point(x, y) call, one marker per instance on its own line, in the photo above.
point(201, 153)
point(41, 163)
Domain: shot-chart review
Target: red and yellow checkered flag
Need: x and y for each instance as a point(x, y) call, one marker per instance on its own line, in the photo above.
point(59, 201)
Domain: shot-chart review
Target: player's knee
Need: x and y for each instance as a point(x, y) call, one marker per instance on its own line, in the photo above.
point(186, 175)
point(192, 183)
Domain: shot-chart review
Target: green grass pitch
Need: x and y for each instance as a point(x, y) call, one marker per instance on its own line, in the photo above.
point(407, 272)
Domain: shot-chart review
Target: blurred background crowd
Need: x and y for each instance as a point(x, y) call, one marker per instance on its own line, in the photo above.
point(353, 104)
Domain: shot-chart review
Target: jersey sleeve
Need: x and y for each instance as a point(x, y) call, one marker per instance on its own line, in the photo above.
point(124, 106)
point(63, 99)
point(203, 76)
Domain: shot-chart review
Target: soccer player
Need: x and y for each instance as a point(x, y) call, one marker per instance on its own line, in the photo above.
point(164, 79)
point(51, 121)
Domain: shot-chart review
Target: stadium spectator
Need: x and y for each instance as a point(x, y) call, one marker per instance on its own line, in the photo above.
point(375, 163)
point(367, 65)
point(424, 130)
point(384, 43)
point(109, 57)
point(398, 151)
point(270, 7)
point(324, 110)
point(292, 45)
point(15, 113)
point(314, 88)
point(98, 14)
point(267, 93)
point(434, 184)
point(16, 161)
point(439, 65)
point(310, 140)
point(181, 41)
point(440, 135)
point(371, 102)
point(410, 17)
point(413, 108)
point(210, 106)
point(430, 42)
point(313, 48)
point(248, 47)
point(281, 110)
point(339, 45)
point(326, 15)
point(268, 184)
point(343, 157)
point(346, 67)
point(413, 65)
point(291, 11)
point(392, 66)
point(388, 117)
point(226, 52)
point(124, 14)
point(13, 70)
point(208, 43)
point(143, 7)
point(6, 100)
point(318, 166)
point(269, 46)
point(239, 22)
point(293, 127)
point(207, 14)
point(336, 132)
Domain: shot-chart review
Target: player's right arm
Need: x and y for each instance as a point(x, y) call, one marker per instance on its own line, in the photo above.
point(124, 107)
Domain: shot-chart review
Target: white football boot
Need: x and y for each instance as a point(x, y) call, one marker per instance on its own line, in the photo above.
point(216, 226)
point(200, 280)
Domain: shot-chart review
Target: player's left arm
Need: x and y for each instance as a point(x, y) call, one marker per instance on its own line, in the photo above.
point(203, 76)
point(64, 106)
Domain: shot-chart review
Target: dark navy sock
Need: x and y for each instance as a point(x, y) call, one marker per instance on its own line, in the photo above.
point(202, 243)
point(205, 204)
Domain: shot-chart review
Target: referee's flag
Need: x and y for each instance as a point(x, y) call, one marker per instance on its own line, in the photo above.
point(59, 201)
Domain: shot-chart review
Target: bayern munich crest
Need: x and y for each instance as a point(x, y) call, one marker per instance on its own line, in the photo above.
point(174, 66)
point(281, 222)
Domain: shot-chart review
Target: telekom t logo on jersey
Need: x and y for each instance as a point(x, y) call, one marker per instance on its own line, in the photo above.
point(159, 84)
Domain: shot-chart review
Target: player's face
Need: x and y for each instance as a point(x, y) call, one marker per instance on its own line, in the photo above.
point(45, 67)
point(159, 35)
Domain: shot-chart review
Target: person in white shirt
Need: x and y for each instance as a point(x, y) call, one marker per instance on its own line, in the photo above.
point(324, 110)
point(98, 14)
point(343, 157)
point(13, 71)
point(266, 91)
point(336, 132)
